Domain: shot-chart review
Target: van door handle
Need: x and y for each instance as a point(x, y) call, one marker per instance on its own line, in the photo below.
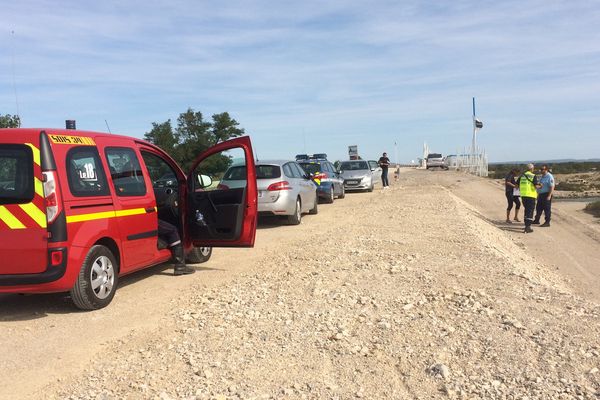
point(150, 210)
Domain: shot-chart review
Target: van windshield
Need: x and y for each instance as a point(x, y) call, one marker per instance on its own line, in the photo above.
point(16, 174)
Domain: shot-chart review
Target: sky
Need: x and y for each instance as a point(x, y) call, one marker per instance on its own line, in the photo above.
point(316, 76)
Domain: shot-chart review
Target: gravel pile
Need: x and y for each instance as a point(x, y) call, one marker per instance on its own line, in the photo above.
point(405, 294)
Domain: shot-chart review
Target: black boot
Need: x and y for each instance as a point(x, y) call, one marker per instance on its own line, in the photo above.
point(180, 267)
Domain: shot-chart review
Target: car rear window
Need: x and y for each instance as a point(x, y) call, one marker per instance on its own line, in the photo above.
point(311, 168)
point(434, 155)
point(235, 173)
point(16, 174)
point(353, 165)
point(268, 171)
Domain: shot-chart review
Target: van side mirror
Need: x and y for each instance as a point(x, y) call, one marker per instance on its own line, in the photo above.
point(204, 181)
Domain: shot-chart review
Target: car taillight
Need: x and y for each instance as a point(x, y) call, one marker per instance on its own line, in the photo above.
point(283, 185)
point(220, 186)
point(51, 195)
point(321, 176)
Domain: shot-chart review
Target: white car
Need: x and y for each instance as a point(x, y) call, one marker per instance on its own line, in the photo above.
point(284, 188)
point(357, 175)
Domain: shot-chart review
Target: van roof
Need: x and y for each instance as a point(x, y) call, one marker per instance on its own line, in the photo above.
point(62, 132)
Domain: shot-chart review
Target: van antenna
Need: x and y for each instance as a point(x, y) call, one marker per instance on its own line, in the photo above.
point(12, 33)
point(108, 127)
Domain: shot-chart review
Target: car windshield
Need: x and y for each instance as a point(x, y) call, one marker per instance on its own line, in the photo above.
point(353, 165)
point(268, 171)
point(434, 155)
point(311, 168)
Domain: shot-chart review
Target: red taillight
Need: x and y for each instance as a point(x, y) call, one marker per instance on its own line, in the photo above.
point(283, 185)
point(56, 258)
point(321, 176)
point(50, 185)
point(220, 186)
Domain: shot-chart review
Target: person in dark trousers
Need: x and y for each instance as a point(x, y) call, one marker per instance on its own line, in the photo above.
point(513, 194)
point(544, 203)
point(528, 184)
point(384, 163)
point(169, 234)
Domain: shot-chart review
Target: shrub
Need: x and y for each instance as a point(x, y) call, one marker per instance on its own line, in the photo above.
point(593, 208)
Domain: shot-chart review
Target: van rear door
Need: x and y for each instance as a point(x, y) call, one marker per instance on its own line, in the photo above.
point(222, 213)
point(23, 234)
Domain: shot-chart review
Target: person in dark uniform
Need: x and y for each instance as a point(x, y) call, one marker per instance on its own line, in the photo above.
point(384, 163)
point(512, 193)
point(169, 234)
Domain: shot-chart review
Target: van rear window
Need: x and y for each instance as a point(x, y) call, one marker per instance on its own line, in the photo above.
point(16, 174)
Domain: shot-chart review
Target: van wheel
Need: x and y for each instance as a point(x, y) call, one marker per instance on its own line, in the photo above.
point(199, 255)
point(97, 281)
point(315, 209)
point(296, 217)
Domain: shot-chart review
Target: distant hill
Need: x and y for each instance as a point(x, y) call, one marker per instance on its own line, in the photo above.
point(557, 161)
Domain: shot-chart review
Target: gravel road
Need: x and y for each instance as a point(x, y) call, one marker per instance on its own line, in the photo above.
point(404, 293)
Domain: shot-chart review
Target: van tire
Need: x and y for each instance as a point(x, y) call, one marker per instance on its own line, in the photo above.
point(296, 217)
point(99, 260)
point(199, 255)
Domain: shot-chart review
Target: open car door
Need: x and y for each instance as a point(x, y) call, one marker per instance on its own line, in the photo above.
point(221, 209)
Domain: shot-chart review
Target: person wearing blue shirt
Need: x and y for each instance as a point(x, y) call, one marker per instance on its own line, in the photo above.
point(544, 203)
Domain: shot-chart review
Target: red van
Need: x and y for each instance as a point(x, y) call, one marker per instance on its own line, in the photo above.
point(80, 209)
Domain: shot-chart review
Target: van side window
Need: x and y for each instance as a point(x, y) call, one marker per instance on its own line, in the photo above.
point(16, 174)
point(125, 172)
point(85, 172)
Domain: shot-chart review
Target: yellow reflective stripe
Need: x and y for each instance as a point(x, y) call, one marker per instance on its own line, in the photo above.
point(36, 153)
point(39, 187)
point(132, 211)
point(9, 219)
point(35, 213)
point(106, 214)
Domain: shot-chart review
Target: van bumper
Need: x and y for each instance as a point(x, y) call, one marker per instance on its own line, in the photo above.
point(52, 273)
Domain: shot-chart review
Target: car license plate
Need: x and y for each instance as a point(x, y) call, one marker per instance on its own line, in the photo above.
point(352, 182)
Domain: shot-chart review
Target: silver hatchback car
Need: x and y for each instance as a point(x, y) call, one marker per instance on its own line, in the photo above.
point(357, 175)
point(284, 188)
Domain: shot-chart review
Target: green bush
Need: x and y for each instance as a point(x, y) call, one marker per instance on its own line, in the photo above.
point(593, 208)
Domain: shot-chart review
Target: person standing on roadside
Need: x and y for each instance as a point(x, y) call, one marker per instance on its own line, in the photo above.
point(528, 183)
point(384, 163)
point(544, 203)
point(512, 193)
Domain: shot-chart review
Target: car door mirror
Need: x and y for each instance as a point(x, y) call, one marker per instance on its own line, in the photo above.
point(204, 181)
point(372, 169)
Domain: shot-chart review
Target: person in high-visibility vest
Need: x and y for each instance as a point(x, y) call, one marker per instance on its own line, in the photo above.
point(528, 184)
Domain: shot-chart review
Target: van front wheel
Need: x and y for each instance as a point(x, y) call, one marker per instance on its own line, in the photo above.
point(97, 280)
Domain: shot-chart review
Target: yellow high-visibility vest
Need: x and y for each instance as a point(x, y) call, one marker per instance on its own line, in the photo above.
point(526, 185)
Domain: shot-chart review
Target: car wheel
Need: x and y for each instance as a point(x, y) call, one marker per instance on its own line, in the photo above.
point(315, 209)
point(343, 194)
point(296, 217)
point(97, 281)
point(371, 187)
point(331, 196)
point(199, 255)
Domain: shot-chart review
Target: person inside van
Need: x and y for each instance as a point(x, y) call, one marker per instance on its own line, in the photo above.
point(168, 233)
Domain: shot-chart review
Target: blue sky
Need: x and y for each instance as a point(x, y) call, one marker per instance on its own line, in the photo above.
point(316, 76)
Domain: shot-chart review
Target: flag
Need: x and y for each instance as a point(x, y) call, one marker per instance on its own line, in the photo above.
point(478, 124)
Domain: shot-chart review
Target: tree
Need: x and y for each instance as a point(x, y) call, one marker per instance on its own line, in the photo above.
point(162, 136)
point(10, 121)
point(224, 128)
point(193, 135)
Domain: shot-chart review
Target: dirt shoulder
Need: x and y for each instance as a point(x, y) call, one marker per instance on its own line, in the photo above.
point(408, 293)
